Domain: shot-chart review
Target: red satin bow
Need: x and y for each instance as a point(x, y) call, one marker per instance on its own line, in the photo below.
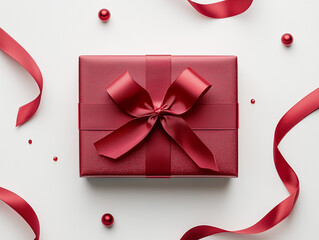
point(136, 101)
point(19, 54)
point(289, 178)
point(223, 9)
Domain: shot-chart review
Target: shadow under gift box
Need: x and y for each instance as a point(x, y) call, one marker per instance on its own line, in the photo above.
point(96, 73)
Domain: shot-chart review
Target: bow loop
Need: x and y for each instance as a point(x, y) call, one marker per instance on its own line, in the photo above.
point(185, 91)
point(130, 96)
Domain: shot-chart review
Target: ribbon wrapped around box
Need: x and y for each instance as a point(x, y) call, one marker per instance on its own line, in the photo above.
point(158, 116)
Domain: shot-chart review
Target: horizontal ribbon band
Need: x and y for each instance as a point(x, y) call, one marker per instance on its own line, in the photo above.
point(213, 117)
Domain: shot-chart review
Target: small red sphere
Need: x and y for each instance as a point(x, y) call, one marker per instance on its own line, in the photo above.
point(55, 158)
point(107, 220)
point(287, 39)
point(252, 101)
point(30, 141)
point(104, 15)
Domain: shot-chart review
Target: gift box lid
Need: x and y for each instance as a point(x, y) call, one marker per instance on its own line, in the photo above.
point(96, 73)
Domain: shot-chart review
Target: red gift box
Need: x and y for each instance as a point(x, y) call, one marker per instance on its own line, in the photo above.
point(167, 150)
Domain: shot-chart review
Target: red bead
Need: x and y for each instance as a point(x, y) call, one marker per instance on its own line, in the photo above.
point(287, 39)
point(104, 15)
point(107, 220)
point(30, 141)
point(55, 158)
point(252, 101)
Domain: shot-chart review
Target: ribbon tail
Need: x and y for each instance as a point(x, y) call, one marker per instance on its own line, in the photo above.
point(19, 205)
point(302, 109)
point(27, 111)
point(13, 49)
point(184, 136)
point(125, 138)
point(223, 9)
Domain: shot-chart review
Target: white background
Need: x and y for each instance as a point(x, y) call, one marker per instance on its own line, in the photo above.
point(56, 32)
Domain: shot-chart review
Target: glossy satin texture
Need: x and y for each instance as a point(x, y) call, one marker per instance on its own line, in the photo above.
point(289, 178)
point(222, 9)
point(19, 205)
point(17, 52)
point(136, 101)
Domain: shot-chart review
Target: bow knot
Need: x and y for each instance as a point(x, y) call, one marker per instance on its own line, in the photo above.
point(159, 112)
point(134, 100)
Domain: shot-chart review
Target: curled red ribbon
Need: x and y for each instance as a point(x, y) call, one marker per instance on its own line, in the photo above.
point(223, 9)
point(289, 178)
point(134, 100)
point(19, 54)
point(19, 205)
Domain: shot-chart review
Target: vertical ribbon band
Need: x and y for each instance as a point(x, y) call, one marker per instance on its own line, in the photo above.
point(20, 55)
point(158, 79)
point(289, 178)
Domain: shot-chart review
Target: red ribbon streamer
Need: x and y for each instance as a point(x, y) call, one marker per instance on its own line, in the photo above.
point(289, 178)
point(19, 205)
point(19, 54)
point(223, 9)
point(180, 97)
